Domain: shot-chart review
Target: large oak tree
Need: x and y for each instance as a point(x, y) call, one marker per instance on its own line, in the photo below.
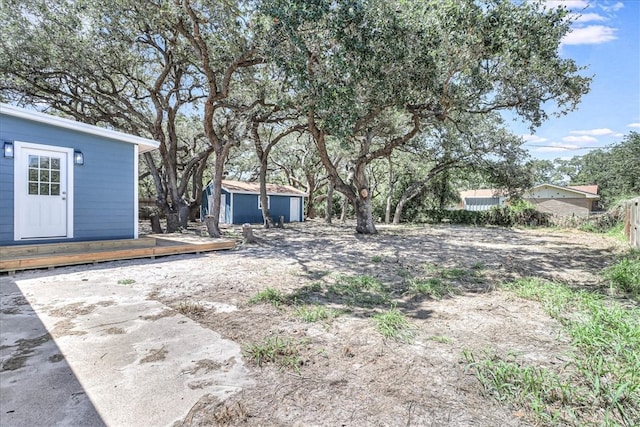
point(359, 62)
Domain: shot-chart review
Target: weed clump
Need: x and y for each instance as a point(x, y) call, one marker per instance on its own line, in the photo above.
point(394, 325)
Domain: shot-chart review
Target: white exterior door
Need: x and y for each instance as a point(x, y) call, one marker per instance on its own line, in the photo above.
point(42, 191)
point(294, 209)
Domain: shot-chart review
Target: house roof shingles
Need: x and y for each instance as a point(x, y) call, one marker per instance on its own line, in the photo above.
point(592, 189)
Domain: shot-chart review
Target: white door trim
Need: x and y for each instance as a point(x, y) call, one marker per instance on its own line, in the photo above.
point(20, 184)
point(136, 207)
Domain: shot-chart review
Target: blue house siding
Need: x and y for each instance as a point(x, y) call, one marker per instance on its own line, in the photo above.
point(6, 195)
point(103, 187)
point(104, 194)
point(245, 209)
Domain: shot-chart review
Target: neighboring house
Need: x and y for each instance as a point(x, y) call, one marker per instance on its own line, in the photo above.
point(481, 200)
point(563, 201)
point(240, 202)
point(62, 180)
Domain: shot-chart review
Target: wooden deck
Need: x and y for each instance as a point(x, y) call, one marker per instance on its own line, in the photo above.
point(49, 255)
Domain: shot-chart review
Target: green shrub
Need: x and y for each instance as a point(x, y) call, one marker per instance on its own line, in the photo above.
point(505, 216)
point(625, 275)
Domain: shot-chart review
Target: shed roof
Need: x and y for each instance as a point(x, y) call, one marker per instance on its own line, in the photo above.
point(144, 144)
point(482, 192)
point(254, 188)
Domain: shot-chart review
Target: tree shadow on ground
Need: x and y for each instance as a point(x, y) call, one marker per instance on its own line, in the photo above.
point(506, 253)
point(38, 386)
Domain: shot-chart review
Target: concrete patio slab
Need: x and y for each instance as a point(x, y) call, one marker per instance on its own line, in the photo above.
point(90, 353)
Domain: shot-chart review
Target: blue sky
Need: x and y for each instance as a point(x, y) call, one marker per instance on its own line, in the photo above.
point(606, 39)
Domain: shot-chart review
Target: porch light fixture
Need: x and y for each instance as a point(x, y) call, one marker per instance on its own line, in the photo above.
point(78, 158)
point(8, 150)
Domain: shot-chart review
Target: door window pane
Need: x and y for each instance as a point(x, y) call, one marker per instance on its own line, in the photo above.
point(33, 188)
point(44, 175)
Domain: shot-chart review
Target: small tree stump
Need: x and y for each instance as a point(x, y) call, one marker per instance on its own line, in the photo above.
point(155, 223)
point(247, 233)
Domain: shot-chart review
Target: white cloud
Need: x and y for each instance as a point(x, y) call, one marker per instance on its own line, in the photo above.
point(533, 138)
point(579, 139)
point(586, 17)
point(594, 132)
point(591, 34)
point(616, 7)
point(618, 135)
point(634, 125)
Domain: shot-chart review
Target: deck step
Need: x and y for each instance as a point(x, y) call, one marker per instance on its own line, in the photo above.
point(25, 257)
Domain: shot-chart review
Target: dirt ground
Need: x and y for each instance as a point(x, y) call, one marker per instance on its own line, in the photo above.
point(348, 374)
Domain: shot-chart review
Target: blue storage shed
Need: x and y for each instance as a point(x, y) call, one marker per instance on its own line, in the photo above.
point(63, 181)
point(240, 202)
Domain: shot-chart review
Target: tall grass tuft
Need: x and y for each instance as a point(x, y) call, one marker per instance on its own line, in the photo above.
point(603, 385)
point(394, 325)
point(625, 274)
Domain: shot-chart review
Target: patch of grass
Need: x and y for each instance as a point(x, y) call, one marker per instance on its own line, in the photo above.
point(536, 389)
point(269, 295)
point(393, 324)
point(315, 313)
point(126, 282)
point(625, 274)
point(605, 383)
point(456, 274)
point(433, 287)
point(617, 232)
point(376, 258)
point(478, 266)
point(403, 272)
point(453, 273)
point(441, 339)
point(315, 287)
point(304, 293)
point(281, 351)
point(190, 308)
point(589, 227)
point(360, 290)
